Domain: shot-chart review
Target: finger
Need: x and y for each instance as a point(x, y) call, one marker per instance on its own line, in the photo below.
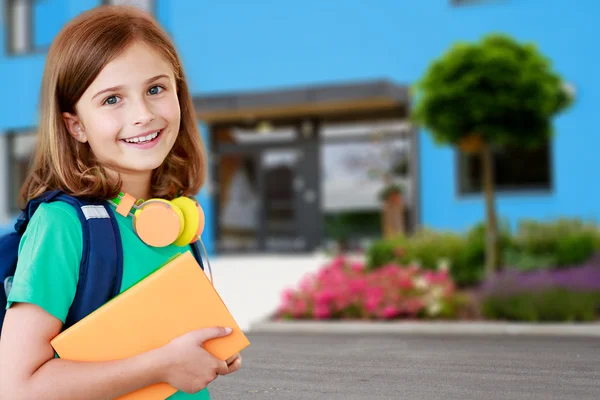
point(206, 334)
point(237, 364)
point(238, 359)
point(234, 366)
point(222, 368)
point(232, 358)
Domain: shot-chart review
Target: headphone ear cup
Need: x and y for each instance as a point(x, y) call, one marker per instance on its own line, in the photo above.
point(201, 222)
point(191, 216)
point(158, 222)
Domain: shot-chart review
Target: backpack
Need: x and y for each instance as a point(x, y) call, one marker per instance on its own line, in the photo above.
point(101, 267)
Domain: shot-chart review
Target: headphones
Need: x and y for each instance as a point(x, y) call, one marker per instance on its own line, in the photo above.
point(160, 223)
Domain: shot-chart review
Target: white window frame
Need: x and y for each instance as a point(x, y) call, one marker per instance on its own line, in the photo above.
point(146, 5)
point(19, 26)
point(19, 147)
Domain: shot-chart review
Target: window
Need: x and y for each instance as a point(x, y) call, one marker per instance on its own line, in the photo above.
point(18, 17)
point(146, 5)
point(464, 2)
point(21, 147)
point(32, 25)
point(354, 160)
point(516, 169)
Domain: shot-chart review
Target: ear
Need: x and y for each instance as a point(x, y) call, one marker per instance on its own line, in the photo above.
point(74, 127)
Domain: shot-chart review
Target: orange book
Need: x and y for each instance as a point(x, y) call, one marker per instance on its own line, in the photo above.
point(172, 301)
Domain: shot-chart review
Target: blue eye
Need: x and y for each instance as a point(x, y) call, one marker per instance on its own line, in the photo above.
point(155, 90)
point(111, 100)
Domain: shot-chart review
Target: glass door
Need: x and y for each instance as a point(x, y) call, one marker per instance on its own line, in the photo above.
point(238, 204)
point(280, 182)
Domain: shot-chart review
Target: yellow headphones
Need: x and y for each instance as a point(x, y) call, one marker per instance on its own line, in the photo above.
point(159, 222)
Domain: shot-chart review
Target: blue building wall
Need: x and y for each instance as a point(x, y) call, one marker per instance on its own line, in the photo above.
point(20, 106)
point(24, 72)
point(234, 45)
point(237, 44)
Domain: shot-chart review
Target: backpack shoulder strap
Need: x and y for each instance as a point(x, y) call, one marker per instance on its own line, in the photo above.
point(31, 208)
point(101, 268)
point(197, 253)
point(198, 256)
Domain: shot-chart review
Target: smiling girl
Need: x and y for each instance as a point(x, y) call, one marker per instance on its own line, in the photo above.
point(116, 116)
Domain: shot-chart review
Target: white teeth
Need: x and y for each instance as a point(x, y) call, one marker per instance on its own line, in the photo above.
point(146, 138)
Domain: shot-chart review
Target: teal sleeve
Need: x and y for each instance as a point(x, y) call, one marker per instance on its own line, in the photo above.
point(49, 257)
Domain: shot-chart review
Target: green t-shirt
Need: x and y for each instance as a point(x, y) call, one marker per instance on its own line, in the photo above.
point(49, 257)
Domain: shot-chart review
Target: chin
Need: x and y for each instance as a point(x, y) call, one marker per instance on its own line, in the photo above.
point(147, 167)
point(142, 166)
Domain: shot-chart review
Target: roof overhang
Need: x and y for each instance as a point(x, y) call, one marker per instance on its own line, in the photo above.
point(336, 102)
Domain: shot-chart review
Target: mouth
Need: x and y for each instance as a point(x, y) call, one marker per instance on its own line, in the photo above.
point(144, 141)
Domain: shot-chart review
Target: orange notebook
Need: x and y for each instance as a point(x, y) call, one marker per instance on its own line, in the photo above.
point(174, 300)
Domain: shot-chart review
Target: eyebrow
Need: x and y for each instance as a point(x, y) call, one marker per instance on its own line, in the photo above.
point(114, 88)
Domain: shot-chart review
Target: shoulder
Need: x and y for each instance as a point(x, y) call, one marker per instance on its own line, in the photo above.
point(57, 212)
point(50, 253)
point(55, 225)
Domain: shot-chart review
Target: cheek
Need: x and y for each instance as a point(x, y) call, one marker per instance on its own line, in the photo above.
point(170, 111)
point(105, 127)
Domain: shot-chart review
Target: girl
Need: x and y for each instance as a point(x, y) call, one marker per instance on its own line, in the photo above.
point(116, 116)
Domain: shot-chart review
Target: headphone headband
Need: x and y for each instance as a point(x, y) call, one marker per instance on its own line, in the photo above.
point(123, 203)
point(159, 222)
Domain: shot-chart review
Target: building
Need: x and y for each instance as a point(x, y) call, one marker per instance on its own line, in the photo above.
point(302, 103)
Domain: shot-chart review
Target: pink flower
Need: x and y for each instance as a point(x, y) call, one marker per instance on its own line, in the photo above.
point(306, 283)
point(373, 298)
point(357, 266)
point(338, 262)
point(324, 297)
point(322, 312)
point(345, 287)
point(389, 312)
point(357, 285)
point(412, 306)
point(299, 308)
point(342, 302)
point(287, 296)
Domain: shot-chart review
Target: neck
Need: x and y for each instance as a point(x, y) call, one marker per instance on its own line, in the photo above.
point(137, 185)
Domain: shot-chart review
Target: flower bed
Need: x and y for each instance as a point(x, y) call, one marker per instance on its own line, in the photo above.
point(560, 294)
point(345, 289)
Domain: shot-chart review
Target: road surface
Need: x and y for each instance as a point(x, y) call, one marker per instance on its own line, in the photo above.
point(370, 367)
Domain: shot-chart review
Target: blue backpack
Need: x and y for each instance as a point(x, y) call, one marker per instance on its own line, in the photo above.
point(101, 266)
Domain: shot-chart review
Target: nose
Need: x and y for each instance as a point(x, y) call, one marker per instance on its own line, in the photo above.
point(142, 114)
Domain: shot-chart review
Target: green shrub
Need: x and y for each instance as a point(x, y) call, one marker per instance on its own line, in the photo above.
point(429, 249)
point(528, 262)
point(470, 268)
point(536, 245)
point(381, 252)
point(549, 305)
point(563, 242)
point(426, 248)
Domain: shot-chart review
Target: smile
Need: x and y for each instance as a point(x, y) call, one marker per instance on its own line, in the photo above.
point(143, 139)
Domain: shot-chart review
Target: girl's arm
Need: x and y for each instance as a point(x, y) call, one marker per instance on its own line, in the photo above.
point(28, 369)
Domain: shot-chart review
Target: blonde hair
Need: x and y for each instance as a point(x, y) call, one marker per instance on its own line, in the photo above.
point(76, 57)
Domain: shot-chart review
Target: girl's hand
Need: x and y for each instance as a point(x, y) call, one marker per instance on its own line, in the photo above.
point(234, 363)
point(189, 368)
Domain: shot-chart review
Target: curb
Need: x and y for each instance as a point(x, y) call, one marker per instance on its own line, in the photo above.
point(428, 328)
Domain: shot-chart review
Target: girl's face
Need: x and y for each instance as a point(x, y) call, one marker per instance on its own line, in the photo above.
point(130, 114)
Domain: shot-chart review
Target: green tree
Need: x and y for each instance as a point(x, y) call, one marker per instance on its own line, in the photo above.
point(484, 95)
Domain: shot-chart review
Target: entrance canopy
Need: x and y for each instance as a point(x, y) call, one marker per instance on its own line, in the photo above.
point(379, 99)
point(271, 151)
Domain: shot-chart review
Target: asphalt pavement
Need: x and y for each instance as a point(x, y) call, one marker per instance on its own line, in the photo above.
point(387, 366)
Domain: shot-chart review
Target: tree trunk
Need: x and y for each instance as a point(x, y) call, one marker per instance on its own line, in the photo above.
point(393, 216)
point(492, 250)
